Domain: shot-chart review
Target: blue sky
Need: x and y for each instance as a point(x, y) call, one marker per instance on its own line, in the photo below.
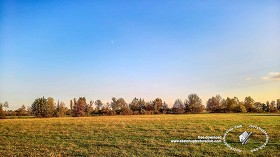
point(167, 49)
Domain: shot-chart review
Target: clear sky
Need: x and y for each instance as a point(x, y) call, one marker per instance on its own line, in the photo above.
point(129, 48)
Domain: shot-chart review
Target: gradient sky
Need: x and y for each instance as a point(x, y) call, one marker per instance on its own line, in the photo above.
point(128, 48)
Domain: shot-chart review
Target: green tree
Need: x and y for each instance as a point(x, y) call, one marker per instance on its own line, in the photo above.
point(43, 107)
point(193, 104)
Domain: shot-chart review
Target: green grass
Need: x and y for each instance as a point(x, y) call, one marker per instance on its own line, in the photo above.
point(143, 135)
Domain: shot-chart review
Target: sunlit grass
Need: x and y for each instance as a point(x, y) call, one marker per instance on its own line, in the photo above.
point(143, 135)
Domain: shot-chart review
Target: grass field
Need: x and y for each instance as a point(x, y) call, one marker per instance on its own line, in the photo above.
point(143, 135)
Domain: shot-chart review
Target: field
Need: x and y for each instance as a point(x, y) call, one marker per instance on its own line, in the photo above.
point(143, 135)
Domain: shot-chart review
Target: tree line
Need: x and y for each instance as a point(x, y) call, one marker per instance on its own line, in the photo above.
point(47, 107)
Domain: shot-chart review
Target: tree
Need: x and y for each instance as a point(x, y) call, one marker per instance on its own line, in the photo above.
point(21, 111)
point(10, 113)
point(43, 107)
point(29, 111)
point(249, 104)
point(193, 104)
point(214, 104)
point(68, 112)
point(2, 111)
point(89, 109)
point(149, 108)
point(273, 107)
point(106, 110)
point(164, 109)
point(141, 106)
point(137, 106)
point(258, 106)
point(278, 104)
point(60, 109)
point(51, 108)
point(241, 108)
point(134, 105)
point(237, 104)
point(118, 105)
point(79, 107)
point(230, 105)
point(98, 104)
point(125, 111)
point(157, 103)
point(71, 105)
point(266, 107)
point(178, 107)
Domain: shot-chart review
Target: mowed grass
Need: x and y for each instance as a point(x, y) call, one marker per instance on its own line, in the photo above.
point(143, 135)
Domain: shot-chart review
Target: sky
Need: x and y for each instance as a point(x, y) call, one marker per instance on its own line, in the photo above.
point(145, 49)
